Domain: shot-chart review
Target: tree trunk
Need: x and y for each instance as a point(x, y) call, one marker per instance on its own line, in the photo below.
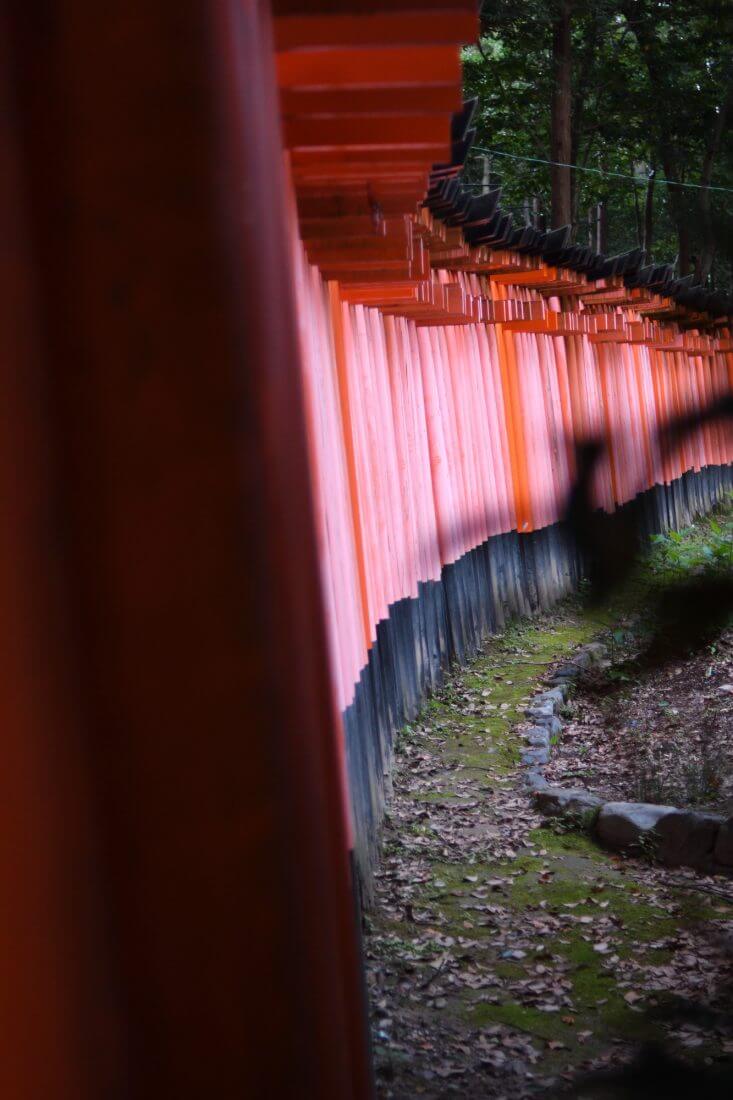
point(646, 240)
point(683, 237)
point(707, 252)
point(561, 116)
point(644, 33)
point(486, 175)
point(601, 227)
point(637, 210)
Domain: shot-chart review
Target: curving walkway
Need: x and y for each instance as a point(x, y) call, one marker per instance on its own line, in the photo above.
point(505, 956)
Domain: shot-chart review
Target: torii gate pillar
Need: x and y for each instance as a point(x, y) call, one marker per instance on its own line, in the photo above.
point(176, 915)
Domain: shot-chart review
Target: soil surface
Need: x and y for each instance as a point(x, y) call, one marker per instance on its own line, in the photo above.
point(663, 736)
point(506, 958)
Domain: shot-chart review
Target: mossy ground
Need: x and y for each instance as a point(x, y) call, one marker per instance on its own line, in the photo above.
point(573, 871)
point(466, 898)
point(505, 673)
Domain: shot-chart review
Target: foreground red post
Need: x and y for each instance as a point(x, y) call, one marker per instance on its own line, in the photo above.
point(180, 923)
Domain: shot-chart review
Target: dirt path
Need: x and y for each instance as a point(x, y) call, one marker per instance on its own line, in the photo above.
point(504, 957)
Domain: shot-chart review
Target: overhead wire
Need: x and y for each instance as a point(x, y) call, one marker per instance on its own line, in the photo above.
point(599, 171)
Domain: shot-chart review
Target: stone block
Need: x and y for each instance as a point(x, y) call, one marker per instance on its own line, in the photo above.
point(554, 698)
point(678, 838)
point(560, 801)
point(596, 651)
point(687, 839)
point(723, 851)
point(548, 721)
point(537, 736)
point(569, 670)
point(534, 756)
point(559, 688)
point(539, 710)
point(535, 779)
point(623, 825)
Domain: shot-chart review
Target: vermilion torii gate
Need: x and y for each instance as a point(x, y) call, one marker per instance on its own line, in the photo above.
point(177, 917)
point(278, 443)
point(453, 361)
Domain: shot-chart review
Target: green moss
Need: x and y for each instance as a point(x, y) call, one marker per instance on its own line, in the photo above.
point(561, 843)
point(502, 679)
point(509, 970)
point(697, 907)
point(482, 741)
point(619, 1019)
point(545, 1025)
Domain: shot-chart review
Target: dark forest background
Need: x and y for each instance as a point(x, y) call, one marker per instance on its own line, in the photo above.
point(639, 87)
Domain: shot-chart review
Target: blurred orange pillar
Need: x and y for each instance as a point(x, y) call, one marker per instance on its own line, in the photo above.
point(177, 919)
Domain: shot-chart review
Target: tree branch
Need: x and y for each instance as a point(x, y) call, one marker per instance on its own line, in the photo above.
point(480, 49)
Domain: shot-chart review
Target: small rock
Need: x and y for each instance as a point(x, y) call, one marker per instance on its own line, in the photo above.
point(552, 724)
point(723, 851)
point(554, 698)
point(569, 670)
point(728, 688)
point(538, 736)
point(539, 710)
point(558, 801)
point(561, 688)
point(535, 779)
point(539, 755)
point(596, 651)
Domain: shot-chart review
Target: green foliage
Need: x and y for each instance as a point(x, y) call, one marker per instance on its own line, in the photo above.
point(647, 846)
point(649, 78)
point(574, 821)
point(703, 549)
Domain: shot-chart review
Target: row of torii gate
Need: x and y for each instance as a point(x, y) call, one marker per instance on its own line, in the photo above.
point(259, 401)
